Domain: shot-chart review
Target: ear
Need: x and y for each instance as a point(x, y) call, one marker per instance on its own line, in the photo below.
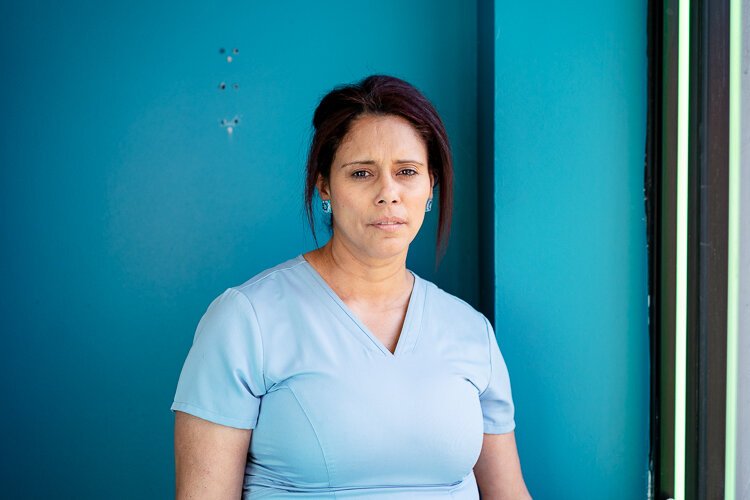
point(323, 188)
point(432, 184)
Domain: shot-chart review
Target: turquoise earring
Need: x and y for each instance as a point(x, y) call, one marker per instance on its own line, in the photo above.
point(326, 206)
point(429, 205)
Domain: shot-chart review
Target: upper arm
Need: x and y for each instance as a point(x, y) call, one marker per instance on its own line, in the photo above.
point(498, 469)
point(496, 399)
point(217, 400)
point(210, 458)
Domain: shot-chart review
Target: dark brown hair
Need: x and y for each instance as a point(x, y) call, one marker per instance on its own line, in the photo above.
point(381, 95)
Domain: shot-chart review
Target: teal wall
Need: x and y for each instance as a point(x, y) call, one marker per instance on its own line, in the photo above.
point(125, 208)
point(570, 249)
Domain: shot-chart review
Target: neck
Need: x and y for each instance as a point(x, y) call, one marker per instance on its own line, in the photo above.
point(361, 278)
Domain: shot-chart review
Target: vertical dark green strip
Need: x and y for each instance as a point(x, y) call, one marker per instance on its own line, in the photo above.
point(652, 182)
point(486, 155)
point(714, 208)
point(707, 250)
point(692, 351)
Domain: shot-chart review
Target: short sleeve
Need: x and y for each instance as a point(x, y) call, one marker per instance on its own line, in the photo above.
point(496, 399)
point(222, 377)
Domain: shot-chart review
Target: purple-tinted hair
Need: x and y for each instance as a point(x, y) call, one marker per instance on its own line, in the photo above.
point(381, 95)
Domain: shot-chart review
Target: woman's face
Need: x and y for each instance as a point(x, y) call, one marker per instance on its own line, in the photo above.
point(378, 186)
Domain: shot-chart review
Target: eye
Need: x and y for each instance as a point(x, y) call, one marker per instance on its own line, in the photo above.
point(408, 172)
point(360, 174)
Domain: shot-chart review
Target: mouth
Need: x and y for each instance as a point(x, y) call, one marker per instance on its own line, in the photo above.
point(389, 223)
point(389, 220)
point(389, 227)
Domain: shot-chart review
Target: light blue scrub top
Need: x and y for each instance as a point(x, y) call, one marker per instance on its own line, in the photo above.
point(336, 414)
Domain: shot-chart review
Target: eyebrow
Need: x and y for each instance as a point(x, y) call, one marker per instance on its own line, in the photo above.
point(372, 162)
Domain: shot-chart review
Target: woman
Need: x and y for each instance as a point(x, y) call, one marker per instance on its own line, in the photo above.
point(340, 373)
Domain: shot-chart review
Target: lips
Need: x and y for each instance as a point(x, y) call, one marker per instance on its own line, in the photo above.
point(388, 221)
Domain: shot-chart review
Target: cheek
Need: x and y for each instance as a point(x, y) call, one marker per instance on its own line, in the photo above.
point(418, 219)
point(347, 205)
point(349, 211)
point(419, 209)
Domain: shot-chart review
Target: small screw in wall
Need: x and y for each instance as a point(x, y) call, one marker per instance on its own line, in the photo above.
point(230, 123)
point(235, 51)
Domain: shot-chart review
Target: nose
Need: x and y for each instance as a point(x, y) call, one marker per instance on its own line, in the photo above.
point(388, 192)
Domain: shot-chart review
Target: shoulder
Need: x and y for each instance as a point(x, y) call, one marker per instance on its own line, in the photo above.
point(457, 327)
point(448, 306)
point(272, 283)
point(266, 291)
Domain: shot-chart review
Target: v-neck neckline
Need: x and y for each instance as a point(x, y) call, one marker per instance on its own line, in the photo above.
point(405, 336)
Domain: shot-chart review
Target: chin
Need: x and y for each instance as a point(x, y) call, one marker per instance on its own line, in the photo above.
point(386, 250)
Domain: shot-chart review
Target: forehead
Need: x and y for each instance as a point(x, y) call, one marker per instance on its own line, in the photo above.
point(380, 135)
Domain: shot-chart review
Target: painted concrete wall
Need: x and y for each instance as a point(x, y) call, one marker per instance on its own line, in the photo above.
point(570, 245)
point(126, 207)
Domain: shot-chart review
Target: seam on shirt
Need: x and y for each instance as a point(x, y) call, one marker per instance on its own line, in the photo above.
point(260, 336)
point(489, 352)
point(421, 316)
point(320, 444)
point(261, 278)
point(499, 429)
point(454, 298)
point(240, 422)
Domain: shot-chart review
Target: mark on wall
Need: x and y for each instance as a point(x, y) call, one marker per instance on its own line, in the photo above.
point(223, 86)
point(223, 51)
point(229, 123)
